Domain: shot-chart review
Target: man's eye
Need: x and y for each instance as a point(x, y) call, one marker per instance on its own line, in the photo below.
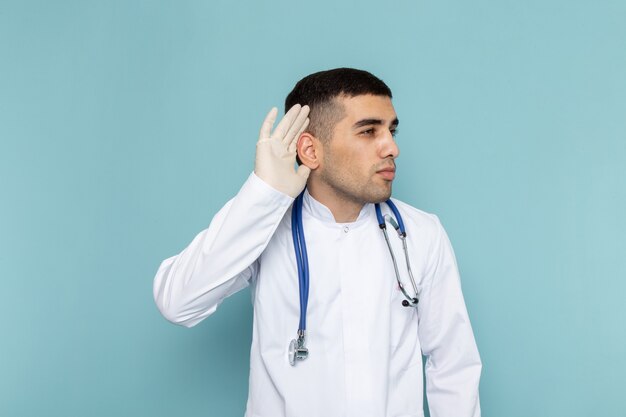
point(368, 132)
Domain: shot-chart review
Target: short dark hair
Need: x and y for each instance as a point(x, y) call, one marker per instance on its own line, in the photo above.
point(320, 89)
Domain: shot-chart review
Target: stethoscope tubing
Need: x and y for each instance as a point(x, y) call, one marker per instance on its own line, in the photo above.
point(396, 214)
point(302, 259)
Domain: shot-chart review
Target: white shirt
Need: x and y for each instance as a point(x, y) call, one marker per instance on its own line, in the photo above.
point(365, 348)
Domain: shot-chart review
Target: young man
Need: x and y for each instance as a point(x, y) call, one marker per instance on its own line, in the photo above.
point(365, 338)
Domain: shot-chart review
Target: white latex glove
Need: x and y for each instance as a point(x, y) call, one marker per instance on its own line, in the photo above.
point(276, 152)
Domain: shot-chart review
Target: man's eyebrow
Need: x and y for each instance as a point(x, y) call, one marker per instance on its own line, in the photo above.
point(378, 122)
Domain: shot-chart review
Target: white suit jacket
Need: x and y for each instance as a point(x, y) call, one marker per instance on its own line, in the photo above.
point(365, 348)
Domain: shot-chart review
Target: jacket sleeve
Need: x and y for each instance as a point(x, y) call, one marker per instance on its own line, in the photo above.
point(453, 364)
point(222, 259)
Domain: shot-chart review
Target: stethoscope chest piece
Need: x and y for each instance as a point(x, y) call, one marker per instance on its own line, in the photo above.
point(297, 350)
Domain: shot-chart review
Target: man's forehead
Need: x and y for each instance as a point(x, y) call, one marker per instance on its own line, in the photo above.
point(367, 107)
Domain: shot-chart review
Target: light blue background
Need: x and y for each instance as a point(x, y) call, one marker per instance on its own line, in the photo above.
point(124, 126)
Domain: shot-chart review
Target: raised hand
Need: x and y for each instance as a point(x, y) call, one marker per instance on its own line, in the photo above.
point(276, 151)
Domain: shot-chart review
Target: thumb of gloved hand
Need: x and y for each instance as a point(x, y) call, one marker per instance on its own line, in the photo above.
point(276, 151)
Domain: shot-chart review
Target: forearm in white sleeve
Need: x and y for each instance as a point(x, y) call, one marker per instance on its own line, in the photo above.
point(220, 260)
point(453, 364)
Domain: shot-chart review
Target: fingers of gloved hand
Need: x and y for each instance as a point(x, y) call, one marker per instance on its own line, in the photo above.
point(286, 122)
point(294, 143)
point(266, 127)
point(296, 126)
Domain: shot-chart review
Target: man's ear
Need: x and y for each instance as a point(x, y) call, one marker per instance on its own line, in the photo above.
point(309, 150)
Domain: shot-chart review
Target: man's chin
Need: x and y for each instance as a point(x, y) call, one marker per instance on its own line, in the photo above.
point(380, 196)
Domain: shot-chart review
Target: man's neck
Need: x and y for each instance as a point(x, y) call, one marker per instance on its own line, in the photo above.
point(343, 209)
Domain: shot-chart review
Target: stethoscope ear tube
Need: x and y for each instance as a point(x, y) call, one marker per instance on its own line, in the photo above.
point(409, 301)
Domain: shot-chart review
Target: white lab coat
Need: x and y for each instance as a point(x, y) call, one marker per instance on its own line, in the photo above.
point(365, 348)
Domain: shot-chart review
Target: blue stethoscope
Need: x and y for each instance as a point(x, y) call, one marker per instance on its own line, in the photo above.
point(297, 347)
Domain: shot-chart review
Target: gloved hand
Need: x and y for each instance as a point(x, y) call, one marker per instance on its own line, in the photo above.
point(276, 152)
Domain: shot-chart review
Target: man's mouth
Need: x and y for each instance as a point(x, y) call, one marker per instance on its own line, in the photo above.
point(387, 173)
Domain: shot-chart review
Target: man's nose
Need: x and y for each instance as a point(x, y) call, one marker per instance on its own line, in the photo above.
point(390, 147)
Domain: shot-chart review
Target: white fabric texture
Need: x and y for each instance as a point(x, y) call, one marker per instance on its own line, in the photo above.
point(365, 348)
